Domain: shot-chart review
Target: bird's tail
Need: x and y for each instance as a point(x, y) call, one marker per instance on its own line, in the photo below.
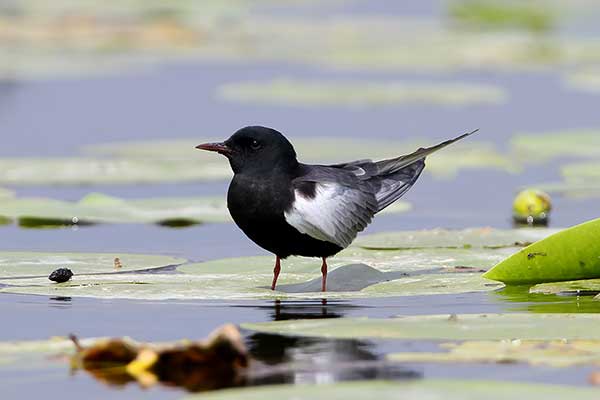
point(395, 164)
point(395, 176)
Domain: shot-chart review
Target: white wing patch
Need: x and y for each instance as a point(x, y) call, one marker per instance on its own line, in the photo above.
point(328, 216)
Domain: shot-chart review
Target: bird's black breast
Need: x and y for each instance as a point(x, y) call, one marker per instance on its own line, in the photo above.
point(257, 205)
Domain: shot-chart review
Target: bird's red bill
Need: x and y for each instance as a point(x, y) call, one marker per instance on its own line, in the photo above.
point(220, 148)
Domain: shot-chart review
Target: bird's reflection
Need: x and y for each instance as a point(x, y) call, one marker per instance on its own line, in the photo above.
point(311, 360)
point(306, 310)
point(310, 309)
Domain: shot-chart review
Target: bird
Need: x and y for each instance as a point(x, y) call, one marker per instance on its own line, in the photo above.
point(294, 209)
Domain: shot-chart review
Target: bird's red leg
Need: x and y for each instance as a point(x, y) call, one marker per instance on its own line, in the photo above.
point(324, 272)
point(276, 271)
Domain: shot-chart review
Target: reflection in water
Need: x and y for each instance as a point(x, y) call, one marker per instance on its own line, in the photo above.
point(286, 359)
point(310, 360)
point(310, 309)
point(60, 302)
point(546, 303)
point(305, 310)
point(64, 299)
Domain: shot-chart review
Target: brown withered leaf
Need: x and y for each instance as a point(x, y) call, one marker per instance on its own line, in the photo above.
point(217, 362)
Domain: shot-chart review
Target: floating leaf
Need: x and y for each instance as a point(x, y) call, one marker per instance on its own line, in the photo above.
point(567, 255)
point(577, 190)
point(26, 355)
point(582, 173)
point(85, 171)
point(359, 94)
point(489, 14)
point(4, 193)
point(579, 287)
point(454, 389)
point(389, 273)
point(587, 80)
point(99, 208)
point(542, 147)
point(465, 155)
point(443, 238)
point(178, 161)
point(130, 36)
point(443, 327)
point(556, 353)
point(32, 264)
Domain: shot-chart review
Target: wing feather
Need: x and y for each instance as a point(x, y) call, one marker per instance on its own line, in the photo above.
point(335, 213)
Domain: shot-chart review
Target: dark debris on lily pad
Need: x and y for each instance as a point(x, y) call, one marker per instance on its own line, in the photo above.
point(61, 275)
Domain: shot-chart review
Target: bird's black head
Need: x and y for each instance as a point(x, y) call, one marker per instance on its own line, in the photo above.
point(256, 149)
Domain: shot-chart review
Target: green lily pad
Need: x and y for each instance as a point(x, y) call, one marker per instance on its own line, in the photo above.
point(388, 273)
point(465, 155)
point(34, 264)
point(32, 354)
point(585, 80)
point(359, 94)
point(453, 239)
point(100, 208)
point(546, 146)
point(582, 172)
point(524, 326)
point(178, 161)
point(557, 353)
point(501, 15)
point(429, 389)
point(576, 190)
point(131, 36)
point(85, 171)
point(582, 286)
point(4, 193)
point(567, 255)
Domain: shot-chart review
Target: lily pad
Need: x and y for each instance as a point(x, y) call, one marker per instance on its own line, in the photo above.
point(582, 172)
point(4, 193)
point(465, 155)
point(26, 355)
point(388, 273)
point(85, 171)
point(359, 94)
point(576, 190)
point(556, 353)
point(524, 326)
point(500, 15)
point(33, 264)
point(100, 208)
point(567, 255)
point(454, 389)
point(543, 147)
point(178, 161)
point(453, 239)
point(587, 80)
point(578, 287)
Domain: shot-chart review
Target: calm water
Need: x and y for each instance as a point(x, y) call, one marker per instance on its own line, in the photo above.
point(57, 117)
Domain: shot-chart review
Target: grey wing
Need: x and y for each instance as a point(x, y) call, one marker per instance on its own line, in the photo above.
point(390, 179)
point(330, 209)
point(387, 184)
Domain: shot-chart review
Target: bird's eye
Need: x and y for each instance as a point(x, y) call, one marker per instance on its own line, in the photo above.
point(255, 145)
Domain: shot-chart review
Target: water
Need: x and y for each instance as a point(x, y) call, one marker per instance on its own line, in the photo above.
point(57, 117)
